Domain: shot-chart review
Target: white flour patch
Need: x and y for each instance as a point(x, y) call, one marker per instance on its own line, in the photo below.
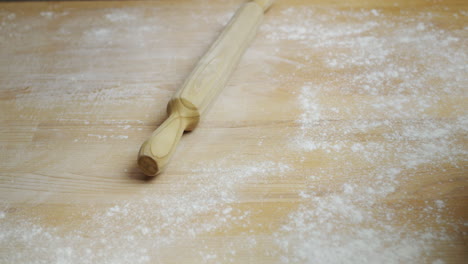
point(151, 224)
point(119, 16)
point(108, 136)
point(354, 224)
point(47, 14)
point(11, 16)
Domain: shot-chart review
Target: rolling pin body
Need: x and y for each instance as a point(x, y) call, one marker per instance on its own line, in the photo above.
point(201, 87)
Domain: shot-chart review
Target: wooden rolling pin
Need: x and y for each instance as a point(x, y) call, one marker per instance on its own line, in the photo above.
point(202, 86)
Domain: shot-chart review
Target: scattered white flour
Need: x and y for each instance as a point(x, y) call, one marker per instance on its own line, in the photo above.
point(11, 16)
point(110, 136)
point(47, 14)
point(397, 101)
point(373, 114)
point(120, 16)
point(157, 220)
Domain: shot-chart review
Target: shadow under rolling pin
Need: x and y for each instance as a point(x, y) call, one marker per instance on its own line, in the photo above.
point(202, 86)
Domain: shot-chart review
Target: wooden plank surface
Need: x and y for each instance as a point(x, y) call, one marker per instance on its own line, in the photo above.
point(340, 138)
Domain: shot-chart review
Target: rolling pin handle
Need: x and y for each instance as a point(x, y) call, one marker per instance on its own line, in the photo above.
point(156, 152)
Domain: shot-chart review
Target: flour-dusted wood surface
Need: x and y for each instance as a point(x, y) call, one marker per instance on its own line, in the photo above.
point(340, 137)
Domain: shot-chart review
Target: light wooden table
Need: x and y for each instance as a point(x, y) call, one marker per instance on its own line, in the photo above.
point(340, 138)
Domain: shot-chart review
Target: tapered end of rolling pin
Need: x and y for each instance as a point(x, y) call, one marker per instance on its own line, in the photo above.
point(265, 4)
point(148, 165)
point(157, 150)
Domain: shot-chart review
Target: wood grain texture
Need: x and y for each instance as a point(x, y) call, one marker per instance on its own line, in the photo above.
point(342, 126)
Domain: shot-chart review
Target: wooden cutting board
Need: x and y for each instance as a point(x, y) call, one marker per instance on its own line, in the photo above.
point(340, 138)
